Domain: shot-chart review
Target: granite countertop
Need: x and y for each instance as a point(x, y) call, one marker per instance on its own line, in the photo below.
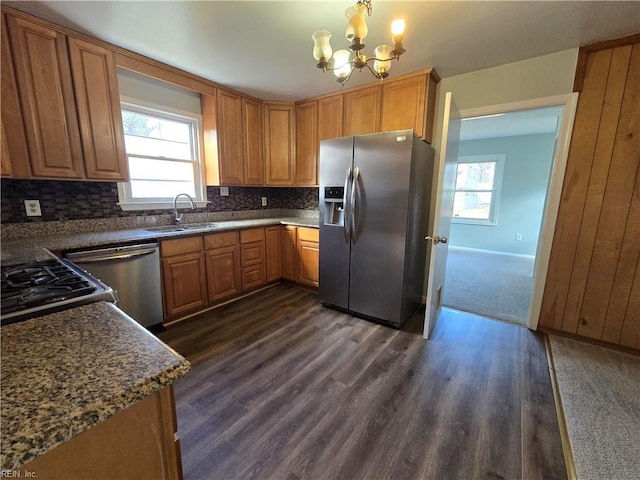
point(69, 241)
point(65, 372)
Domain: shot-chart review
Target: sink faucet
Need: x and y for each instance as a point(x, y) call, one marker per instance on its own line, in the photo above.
point(178, 218)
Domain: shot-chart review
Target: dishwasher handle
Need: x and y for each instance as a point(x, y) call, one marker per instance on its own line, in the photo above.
point(109, 257)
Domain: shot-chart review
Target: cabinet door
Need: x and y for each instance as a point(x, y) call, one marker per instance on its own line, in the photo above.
point(330, 117)
point(46, 93)
point(362, 109)
point(223, 272)
point(99, 113)
point(403, 105)
point(253, 143)
point(274, 247)
point(279, 144)
point(290, 253)
point(307, 143)
point(184, 283)
point(308, 257)
point(14, 141)
point(230, 144)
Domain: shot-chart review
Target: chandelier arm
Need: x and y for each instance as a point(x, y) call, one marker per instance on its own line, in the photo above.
point(373, 72)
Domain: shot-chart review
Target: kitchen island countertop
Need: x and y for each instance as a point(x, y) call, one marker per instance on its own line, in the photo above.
point(65, 372)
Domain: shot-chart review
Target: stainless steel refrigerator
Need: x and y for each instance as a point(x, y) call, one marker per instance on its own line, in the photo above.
point(374, 204)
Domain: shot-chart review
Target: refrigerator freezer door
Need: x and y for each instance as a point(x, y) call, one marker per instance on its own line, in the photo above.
point(336, 160)
point(380, 224)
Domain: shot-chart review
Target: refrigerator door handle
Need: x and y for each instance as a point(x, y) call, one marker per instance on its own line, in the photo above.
point(347, 231)
point(354, 184)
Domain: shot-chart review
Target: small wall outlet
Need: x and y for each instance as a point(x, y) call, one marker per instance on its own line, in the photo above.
point(264, 201)
point(32, 208)
point(518, 236)
point(224, 191)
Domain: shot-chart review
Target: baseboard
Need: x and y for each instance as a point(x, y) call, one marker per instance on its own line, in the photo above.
point(562, 422)
point(495, 252)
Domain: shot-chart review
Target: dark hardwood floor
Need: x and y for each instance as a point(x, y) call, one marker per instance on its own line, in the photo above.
point(284, 388)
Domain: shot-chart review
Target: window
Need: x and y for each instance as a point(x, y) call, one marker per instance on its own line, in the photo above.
point(477, 193)
point(163, 153)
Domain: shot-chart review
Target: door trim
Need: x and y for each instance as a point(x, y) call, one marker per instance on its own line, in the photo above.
point(569, 104)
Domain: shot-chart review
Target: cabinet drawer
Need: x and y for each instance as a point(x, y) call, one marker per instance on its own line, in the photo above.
point(217, 240)
point(309, 234)
point(252, 254)
point(252, 235)
point(180, 245)
point(253, 276)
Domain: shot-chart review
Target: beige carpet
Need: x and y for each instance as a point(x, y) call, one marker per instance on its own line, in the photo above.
point(600, 395)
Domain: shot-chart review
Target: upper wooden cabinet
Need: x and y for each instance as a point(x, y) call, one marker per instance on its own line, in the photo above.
point(362, 111)
point(230, 142)
point(233, 143)
point(98, 104)
point(69, 105)
point(307, 143)
point(330, 114)
point(252, 131)
point(46, 92)
point(279, 138)
point(405, 105)
point(14, 141)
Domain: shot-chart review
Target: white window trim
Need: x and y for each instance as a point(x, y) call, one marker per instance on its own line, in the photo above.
point(499, 159)
point(124, 194)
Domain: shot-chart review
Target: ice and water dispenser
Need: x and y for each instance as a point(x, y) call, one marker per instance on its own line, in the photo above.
point(334, 206)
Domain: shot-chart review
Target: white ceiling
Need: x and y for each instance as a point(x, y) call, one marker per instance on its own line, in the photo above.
point(523, 122)
point(264, 48)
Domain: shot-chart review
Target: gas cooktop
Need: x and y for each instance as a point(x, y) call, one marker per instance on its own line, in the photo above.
point(46, 286)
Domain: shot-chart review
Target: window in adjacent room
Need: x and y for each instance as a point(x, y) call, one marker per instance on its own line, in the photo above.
point(163, 153)
point(477, 194)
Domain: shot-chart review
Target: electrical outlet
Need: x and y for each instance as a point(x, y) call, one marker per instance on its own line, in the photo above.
point(264, 201)
point(32, 208)
point(224, 191)
point(518, 236)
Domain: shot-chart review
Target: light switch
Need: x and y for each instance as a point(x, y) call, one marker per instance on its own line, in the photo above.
point(33, 208)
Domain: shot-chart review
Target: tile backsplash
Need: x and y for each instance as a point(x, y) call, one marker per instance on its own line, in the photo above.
point(63, 200)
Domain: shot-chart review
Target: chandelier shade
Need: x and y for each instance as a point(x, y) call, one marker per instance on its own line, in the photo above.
point(342, 63)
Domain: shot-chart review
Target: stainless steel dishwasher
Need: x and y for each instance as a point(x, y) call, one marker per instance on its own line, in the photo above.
point(134, 272)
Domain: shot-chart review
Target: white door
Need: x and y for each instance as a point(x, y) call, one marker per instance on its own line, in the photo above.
point(440, 216)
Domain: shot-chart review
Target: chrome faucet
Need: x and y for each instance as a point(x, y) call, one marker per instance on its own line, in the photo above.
point(178, 218)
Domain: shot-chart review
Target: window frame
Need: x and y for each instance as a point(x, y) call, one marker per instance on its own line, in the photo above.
point(125, 199)
point(496, 192)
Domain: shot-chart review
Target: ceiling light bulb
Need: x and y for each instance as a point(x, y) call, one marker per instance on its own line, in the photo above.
point(397, 26)
point(321, 46)
point(341, 63)
point(356, 26)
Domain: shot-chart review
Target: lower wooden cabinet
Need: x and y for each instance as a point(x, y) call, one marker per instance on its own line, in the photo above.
point(274, 253)
point(138, 442)
point(308, 256)
point(252, 258)
point(289, 253)
point(184, 280)
point(202, 270)
point(223, 265)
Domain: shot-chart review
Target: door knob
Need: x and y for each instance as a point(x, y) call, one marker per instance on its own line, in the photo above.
point(437, 239)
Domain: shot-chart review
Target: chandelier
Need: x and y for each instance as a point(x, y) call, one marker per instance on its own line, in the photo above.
point(342, 63)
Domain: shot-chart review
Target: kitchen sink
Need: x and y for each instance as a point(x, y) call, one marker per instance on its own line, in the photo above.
point(184, 227)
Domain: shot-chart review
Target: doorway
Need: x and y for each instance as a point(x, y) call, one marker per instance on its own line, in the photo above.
point(511, 164)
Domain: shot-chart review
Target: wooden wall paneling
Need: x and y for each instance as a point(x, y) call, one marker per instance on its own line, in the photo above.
point(43, 72)
point(620, 314)
point(99, 113)
point(553, 313)
point(624, 155)
point(615, 74)
point(630, 336)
